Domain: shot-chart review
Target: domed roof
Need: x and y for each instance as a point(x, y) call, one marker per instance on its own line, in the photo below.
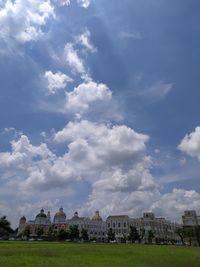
point(23, 218)
point(41, 214)
point(60, 214)
point(97, 217)
point(75, 215)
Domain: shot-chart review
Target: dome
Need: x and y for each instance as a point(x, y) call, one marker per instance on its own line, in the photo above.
point(41, 214)
point(75, 215)
point(97, 217)
point(22, 219)
point(60, 214)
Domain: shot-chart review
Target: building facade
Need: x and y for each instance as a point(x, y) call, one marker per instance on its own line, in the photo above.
point(163, 230)
point(190, 218)
point(42, 224)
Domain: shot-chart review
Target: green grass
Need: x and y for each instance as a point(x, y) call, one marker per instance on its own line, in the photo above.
point(43, 254)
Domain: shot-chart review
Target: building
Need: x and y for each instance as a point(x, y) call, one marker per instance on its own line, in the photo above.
point(119, 225)
point(162, 229)
point(190, 218)
point(38, 227)
point(42, 224)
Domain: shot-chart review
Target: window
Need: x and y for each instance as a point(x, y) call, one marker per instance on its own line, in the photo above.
point(124, 224)
point(113, 225)
point(119, 225)
point(108, 225)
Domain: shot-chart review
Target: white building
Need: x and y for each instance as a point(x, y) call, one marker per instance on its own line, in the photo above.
point(190, 218)
point(163, 230)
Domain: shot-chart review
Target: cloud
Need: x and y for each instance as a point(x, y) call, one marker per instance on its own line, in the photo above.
point(112, 159)
point(190, 144)
point(72, 58)
point(84, 40)
point(174, 203)
point(84, 3)
point(131, 35)
point(56, 81)
point(156, 92)
point(85, 94)
point(65, 2)
point(23, 20)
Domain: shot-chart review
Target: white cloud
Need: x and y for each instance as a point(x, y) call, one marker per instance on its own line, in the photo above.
point(173, 204)
point(85, 94)
point(191, 144)
point(56, 81)
point(84, 3)
point(65, 2)
point(156, 92)
point(22, 20)
point(84, 40)
point(112, 159)
point(72, 58)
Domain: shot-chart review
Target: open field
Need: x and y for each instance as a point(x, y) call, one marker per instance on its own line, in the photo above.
point(43, 254)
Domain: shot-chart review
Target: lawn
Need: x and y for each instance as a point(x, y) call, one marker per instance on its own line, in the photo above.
point(43, 254)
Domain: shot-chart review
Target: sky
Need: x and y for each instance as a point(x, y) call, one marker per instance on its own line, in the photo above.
point(99, 107)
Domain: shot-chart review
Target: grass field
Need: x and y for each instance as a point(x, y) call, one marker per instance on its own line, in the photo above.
point(43, 254)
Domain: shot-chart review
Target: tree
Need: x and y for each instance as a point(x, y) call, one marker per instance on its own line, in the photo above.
point(181, 233)
point(5, 228)
point(190, 233)
point(84, 235)
point(62, 235)
point(150, 236)
point(27, 232)
point(142, 233)
point(111, 235)
point(197, 234)
point(50, 233)
point(39, 232)
point(73, 232)
point(133, 235)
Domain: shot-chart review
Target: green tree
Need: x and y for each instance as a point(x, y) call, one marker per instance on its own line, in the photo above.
point(111, 235)
point(50, 233)
point(74, 232)
point(5, 228)
point(84, 235)
point(142, 233)
point(150, 236)
point(39, 232)
point(197, 234)
point(133, 235)
point(62, 235)
point(190, 234)
point(181, 233)
point(26, 232)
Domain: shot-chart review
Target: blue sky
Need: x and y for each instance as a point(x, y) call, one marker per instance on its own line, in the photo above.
point(99, 107)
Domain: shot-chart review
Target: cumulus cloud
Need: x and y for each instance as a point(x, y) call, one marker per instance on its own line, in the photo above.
point(85, 94)
point(191, 144)
point(112, 159)
point(23, 20)
point(173, 204)
point(56, 81)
